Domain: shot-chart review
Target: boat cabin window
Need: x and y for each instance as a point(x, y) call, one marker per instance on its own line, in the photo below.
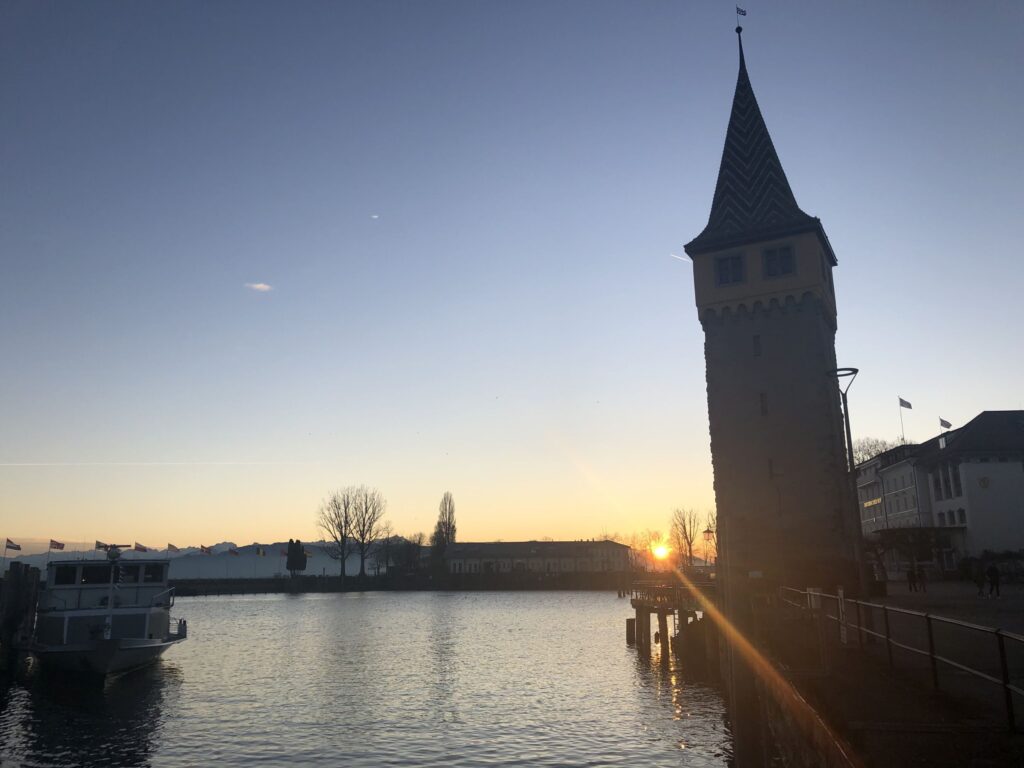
point(64, 574)
point(154, 573)
point(128, 574)
point(95, 574)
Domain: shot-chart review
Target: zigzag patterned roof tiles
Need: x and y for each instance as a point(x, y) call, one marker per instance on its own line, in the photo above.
point(753, 200)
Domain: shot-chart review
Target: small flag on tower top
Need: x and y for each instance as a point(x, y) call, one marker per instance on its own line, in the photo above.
point(740, 11)
point(905, 404)
point(54, 544)
point(945, 424)
point(140, 547)
point(101, 545)
point(172, 548)
point(11, 545)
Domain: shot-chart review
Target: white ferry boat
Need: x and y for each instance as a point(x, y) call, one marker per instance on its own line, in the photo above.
point(105, 617)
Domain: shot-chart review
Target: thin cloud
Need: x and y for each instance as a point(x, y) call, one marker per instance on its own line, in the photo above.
point(259, 287)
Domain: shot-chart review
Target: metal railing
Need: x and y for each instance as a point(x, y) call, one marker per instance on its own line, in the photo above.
point(666, 595)
point(168, 593)
point(817, 602)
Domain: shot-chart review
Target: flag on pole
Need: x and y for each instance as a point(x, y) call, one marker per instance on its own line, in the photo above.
point(140, 547)
point(11, 545)
point(205, 550)
point(905, 404)
point(740, 11)
point(945, 424)
point(101, 545)
point(172, 548)
point(54, 544)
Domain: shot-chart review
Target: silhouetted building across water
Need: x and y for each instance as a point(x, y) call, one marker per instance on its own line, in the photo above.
point(537, 557)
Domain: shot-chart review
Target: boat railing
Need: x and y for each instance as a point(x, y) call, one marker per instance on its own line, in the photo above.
point(167, 594)
point(180, 629)
point(98, 596)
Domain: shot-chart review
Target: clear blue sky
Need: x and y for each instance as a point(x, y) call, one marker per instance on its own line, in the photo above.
point(466, 212)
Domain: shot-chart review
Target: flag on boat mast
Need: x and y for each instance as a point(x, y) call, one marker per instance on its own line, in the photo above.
point(172, 548)
point(54, 544)
point(906, 404)
point(11, 545)
point(943, 424)
point(101, 545)
point(140, 548)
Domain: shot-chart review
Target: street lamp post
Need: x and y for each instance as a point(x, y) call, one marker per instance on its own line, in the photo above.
point(844, 378)
point(708, 534)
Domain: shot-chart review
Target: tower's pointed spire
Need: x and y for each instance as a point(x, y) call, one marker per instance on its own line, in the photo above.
point(752, 199)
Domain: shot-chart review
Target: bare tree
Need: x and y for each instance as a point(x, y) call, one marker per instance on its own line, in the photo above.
point(382, 549)
point(366, 516)
point(335, 520)
point(411, 549)
point(685, 528)
point(865, 448)
point(444, 529)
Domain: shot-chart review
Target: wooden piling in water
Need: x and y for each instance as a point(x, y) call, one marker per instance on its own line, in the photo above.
point(630, 631)
point(663, 639)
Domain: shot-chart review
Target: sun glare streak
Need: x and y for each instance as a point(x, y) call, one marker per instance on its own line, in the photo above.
point(764, 669)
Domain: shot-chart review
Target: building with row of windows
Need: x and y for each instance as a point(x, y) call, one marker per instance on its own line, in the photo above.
point(537, 557)
point(965, 486)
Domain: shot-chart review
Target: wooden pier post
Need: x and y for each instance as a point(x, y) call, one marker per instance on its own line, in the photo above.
point(663, 634)
point(630, 631)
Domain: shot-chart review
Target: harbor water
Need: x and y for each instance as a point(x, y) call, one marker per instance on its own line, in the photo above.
point(378, 679)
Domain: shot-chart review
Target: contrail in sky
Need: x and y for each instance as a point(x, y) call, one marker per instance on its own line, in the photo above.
point(151, 463)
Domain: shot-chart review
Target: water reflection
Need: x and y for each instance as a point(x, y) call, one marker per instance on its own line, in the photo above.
point(415, 679)
point(67, 720)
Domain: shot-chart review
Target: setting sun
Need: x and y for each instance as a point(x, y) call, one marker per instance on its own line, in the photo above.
point(660, 551)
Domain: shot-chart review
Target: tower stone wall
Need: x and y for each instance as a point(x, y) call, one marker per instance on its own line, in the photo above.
point(777, 440)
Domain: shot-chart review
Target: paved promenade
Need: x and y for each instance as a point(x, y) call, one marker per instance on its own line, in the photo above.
point(959, 600)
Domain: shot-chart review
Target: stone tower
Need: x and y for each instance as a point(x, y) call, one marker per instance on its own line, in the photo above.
point(762, 272)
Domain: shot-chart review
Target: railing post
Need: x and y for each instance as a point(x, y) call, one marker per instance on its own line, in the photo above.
point(888, 640)
point(860, 626)
point(931, 651)
point(1007, 693)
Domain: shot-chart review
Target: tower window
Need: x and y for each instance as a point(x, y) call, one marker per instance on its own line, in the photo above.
point(729, 269)
point(778, 261)
point(757, 346)
point(764, 403)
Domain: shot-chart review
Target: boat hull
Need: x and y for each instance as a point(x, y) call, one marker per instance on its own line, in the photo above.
point(102, 657)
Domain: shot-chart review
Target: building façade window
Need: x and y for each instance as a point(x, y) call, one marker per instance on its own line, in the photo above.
point(729, 269)
point(777, 262)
